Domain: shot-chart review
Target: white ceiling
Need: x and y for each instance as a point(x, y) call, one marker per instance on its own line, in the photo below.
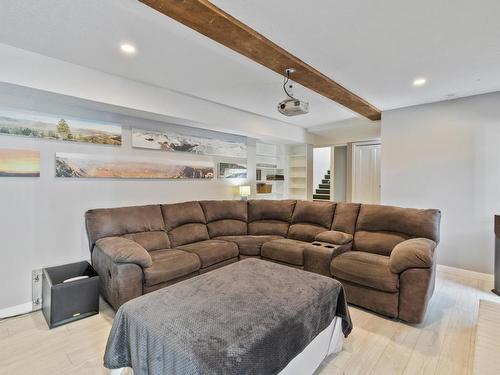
point(375, 49)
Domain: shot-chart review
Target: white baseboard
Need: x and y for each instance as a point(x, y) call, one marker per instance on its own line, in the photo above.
point(16, 310)
point(464, 272)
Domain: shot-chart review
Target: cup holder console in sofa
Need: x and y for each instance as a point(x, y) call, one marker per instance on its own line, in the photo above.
point(383, 255)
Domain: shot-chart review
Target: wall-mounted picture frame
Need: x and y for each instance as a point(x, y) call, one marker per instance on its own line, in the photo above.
point(177, 142)
point(232, 170)
point(72, 165)
point(19, 163)
point(60, 128)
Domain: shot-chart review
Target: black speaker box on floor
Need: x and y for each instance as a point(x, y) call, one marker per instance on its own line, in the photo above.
point(64, 302)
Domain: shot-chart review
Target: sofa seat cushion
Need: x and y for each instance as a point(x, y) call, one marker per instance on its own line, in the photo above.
point(285, 250)
point(249, 245)
point(170, 264)
point(211, 252)
point(367, 269)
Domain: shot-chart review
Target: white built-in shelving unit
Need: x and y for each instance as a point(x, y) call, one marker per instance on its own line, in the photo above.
point(270, 161)
point(299, 171)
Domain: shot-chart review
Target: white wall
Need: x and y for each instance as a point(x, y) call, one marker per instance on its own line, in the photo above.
point(340, 174)
point(342, 132)
point(29, 69)
point(446, 155)
point(321, 164)
point(42, 219)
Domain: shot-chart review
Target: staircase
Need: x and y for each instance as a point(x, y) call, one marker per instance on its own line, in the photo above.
point(323, 191)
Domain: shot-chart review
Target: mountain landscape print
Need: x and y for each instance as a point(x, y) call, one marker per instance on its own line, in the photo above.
point(232, 170)
point(19, 163)
point(91, 166)
point(172, 141)
point(38, 125)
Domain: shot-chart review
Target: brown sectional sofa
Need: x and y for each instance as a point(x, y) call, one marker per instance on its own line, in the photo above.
point(384, 255)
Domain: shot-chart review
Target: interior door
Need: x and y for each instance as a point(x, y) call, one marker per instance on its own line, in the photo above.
point(366, 173)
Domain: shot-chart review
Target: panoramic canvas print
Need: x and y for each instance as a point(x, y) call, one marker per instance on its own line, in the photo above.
point(232, 170)
point(172, 141)
point(38, 125)
point(98, 166)
point(19, 163)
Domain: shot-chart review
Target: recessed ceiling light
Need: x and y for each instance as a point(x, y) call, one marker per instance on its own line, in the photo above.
point(127, 48)
point(419, 81)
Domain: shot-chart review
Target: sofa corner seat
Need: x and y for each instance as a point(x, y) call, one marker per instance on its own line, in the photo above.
point(307, 221)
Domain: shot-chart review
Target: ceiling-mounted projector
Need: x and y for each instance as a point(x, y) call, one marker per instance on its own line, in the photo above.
point(291, 106)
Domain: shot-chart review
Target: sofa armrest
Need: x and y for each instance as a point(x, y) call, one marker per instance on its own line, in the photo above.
point(123, 250)
point(118, 282)
point(413, 253)
point(334, 237)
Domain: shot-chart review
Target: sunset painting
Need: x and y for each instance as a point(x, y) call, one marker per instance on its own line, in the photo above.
point(103, 166)
point(61, 128)
point(19, 163)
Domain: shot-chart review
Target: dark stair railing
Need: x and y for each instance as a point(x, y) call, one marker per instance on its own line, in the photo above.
point(323, 191)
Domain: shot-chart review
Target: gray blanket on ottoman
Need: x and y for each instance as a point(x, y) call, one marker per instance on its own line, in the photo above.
point(251, 317)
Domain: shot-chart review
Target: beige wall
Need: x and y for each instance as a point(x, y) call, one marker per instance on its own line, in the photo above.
point(446, 155)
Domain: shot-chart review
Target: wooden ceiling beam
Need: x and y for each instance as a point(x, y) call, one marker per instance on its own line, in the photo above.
point(213, 22)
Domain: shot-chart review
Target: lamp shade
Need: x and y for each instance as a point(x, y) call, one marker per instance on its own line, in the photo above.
point(245, 191)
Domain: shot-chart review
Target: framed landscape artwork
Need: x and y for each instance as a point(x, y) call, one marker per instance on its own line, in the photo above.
point(172, 141)
point(232, 170)
point(103, 166)
point(19, 163)
point(38, 125)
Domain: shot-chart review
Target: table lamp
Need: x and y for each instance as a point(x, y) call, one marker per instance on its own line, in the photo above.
point(244, 192)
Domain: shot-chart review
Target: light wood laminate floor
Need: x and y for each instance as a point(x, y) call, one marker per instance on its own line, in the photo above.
point(487, 351)
point(444, 344)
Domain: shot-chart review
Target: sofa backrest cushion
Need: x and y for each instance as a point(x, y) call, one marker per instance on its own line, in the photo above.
point(185, 223)
point(380, 228)
point(143, 221)
point(380, 242)
point(346, 215)
point(225, 218)
point(270, 217)
point(309, 219)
